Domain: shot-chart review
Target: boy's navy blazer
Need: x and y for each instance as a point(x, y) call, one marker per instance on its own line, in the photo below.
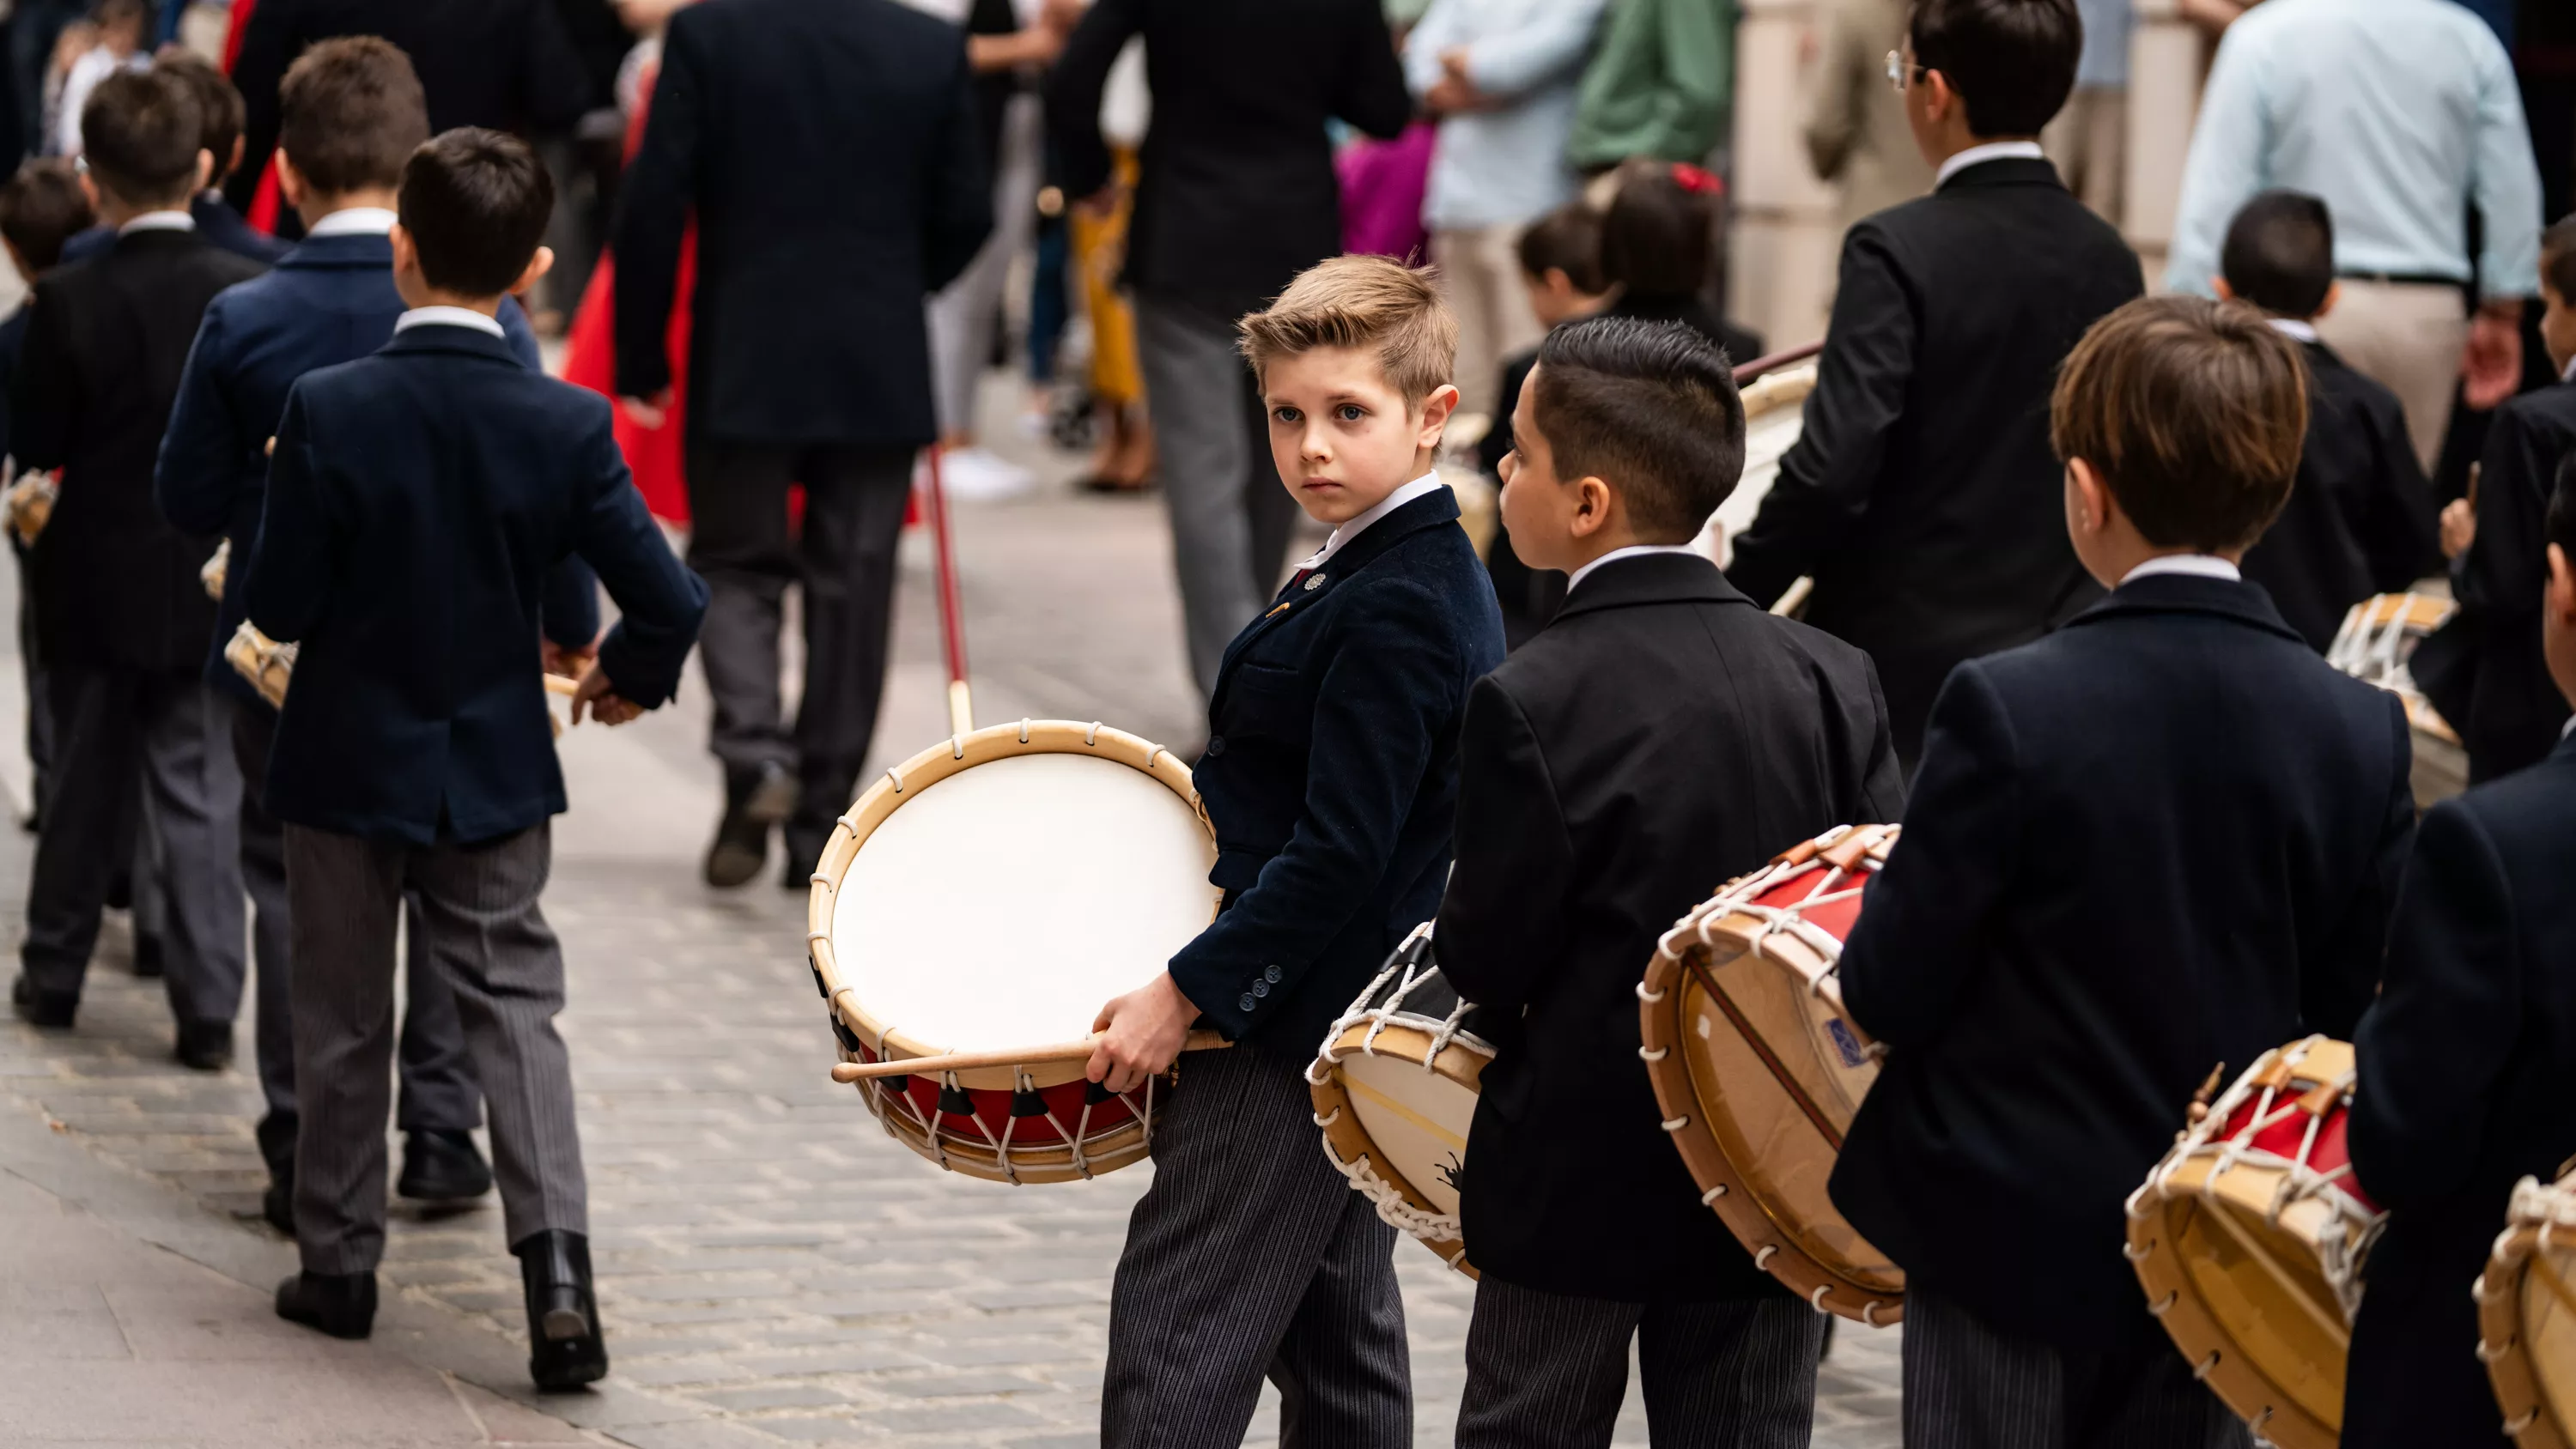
point(2161, 840)
point(2468, 1084)
point(1662, 734)
point(221, 226)
point(1331, 774)
point(415, 502)
point(329, 300)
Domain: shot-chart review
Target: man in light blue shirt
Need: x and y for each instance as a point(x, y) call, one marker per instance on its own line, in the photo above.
point(2401, 114)
point(2089, 139)
point(1502, 76)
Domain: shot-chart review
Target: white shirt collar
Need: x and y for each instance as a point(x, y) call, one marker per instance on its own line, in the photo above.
point(1419, 488)
point(2568, 374)
point(159, 221)
point(1991, 151)
point(354, 221)
point(2196, 565)
point(2293, 328)
point(1635, 550)
point(447, 317)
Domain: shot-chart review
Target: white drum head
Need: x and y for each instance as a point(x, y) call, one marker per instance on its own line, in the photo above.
point(1001, 906)
point(1418, 1119)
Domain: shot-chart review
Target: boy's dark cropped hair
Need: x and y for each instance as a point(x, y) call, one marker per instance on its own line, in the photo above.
point(2011, 61)
point(2558, 257)
point(351, 112)
point(476, 203)
point(2192, 411)
point(219, 105)
point(41, 207)
point(2279, 253)
point(2560, 528)
point(140, 135)
point(1649, 407)
point(1568, 240)
point(1657, 235)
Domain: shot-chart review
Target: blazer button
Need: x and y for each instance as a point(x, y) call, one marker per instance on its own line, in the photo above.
point(1215, 746)
point(1270, 974)
point(1261, 988)
point(1246, 1003)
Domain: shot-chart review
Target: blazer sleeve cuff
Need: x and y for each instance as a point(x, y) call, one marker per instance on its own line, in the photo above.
point(1233, 998)
point(636, 674)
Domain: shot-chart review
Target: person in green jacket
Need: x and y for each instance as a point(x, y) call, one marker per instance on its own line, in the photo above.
point(1660, 84)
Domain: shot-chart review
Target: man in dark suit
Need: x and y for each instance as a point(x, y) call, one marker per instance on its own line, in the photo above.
point(1236, 197)
point(2162, 839)
point(121, 617)
point(2484, 670)
point(2360, 519)
point(1922, 498)
point(828, 154)
point(217, 222)
point(1659, 735)
point(352, 114)
point(507, 64)
point(415, 500)
point(2468, 1065)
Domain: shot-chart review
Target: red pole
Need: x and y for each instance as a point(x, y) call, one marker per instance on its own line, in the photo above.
point(952, 614)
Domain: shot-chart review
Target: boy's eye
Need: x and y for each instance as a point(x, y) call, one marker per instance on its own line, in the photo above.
point(1284, 414)
point(1350, 412)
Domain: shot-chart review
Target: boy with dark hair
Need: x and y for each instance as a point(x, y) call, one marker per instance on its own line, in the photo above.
point(414, 501)
point(1330, 774)
point(2360, 519)
point(2162, 838)
point(1921, 497)
point(352, 114)
point(1560, 258)
point(121, 617)
point(2484, 669)
point(1659, 735)
point(219, 107)
point(2468, 1064)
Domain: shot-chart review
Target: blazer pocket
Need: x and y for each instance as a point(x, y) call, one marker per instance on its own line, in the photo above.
point(1268, 702)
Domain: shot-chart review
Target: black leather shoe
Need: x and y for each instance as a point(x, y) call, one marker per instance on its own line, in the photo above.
point(38, 1007)
point(442, 1166)
point(342, 1305)
point(565, 1346)
point(755, 801)
point(147, 955)
point(277, 1205)
point(804, 853)
point(205, 1045)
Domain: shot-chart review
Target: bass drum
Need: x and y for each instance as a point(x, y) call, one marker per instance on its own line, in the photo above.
point(2527, 1315)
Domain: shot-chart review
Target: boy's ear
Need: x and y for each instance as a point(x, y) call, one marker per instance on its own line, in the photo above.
point(232, 163)
point(205, 171)
point(290, 182)
point(544, 262)
point(2094, 503)
point(1435, 414)
point(89, 188)
point(2334, 294)
point(2559, 594)
point(2225, 292)
point(1592, 499)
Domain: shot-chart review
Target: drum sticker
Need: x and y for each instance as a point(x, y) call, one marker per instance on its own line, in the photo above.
point(1449, 1172)
point(1845, 1042)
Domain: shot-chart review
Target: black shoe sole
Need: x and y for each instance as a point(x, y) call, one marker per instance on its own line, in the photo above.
point(732, 863)
point(434, 1193)
point(569, 1376)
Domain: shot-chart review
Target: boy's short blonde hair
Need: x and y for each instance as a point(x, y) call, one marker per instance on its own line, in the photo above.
point(1362, 302)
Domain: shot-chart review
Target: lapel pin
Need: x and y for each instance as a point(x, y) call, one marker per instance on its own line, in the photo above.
point(1314, 582)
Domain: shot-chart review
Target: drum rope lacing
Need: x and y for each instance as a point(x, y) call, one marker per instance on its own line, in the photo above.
point(1078, 1140)
point(1391, 1204)
point(2537, 1209)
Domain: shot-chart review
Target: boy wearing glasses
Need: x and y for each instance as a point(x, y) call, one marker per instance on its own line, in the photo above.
point(1922, 498)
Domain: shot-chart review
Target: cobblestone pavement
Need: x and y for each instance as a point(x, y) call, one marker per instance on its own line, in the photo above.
point(772, 1267)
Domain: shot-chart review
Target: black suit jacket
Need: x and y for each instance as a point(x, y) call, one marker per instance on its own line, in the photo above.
point(2484, 670)
point(1923, 497)
point(1237, 193)
point(417, 499)
point(2468, 1084)
point(827, 151)
point(113, 583)
point(1331, 775)
point(506, 64)
point(2161, 840)
point(1660, 736)
point(2360, 520)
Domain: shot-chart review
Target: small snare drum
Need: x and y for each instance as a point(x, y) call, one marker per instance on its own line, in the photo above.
point(1395, 1092)
point(1759, 1072)
point(2527, 1315)
point(983, 900)
point(267, 664)
point(2249, 1238)
point(2377, 639)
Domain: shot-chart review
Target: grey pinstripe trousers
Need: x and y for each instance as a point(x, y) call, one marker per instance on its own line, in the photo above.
point(1250, 1255)
point(1547, 1371)
point(1970, 1387)
point(478, 904)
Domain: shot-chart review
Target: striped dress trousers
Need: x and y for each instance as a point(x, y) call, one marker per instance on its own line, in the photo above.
point(1970, 1387)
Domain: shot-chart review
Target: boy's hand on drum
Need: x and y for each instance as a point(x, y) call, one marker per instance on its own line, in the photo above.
point(1140, 1034)
point(601, 698)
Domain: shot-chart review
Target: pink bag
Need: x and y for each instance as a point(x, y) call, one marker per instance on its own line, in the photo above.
point(1382, 184)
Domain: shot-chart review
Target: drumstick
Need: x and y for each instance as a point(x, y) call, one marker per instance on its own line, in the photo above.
point(1070, 1051)
point(952, 621)
point(557, 684)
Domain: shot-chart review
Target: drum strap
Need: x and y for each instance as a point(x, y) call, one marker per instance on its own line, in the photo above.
point(1779, 1069)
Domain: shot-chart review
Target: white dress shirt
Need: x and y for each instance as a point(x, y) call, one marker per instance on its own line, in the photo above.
point(2194, 565)
point(2568, 373)
point(2293, 328)
point(354, 221)
point(1635, 550)
point(1991, 151)
point(159, 221)
point(447, 317)
point(1419, 488)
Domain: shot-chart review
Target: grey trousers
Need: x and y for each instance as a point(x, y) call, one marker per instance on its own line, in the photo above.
point(1231, 517)
point(1970, 1387)
point(1250, 1255)
point(478, 904)
point(1546, 1371)
point(438, 1091)
point(109, 725)
point(962, 316)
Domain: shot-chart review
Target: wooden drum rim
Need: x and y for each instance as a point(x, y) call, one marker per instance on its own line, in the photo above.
point(891, 790)
point(2525, 1409)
